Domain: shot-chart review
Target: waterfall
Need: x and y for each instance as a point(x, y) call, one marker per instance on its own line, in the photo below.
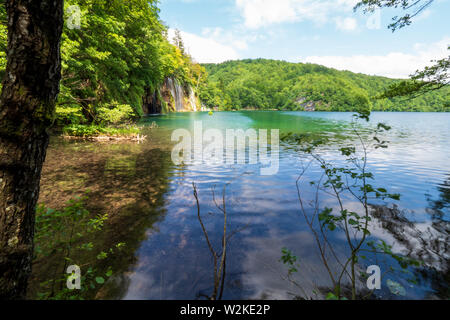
point(179, 97)
point(171, 87)
point(192, 99)
point(177, 92)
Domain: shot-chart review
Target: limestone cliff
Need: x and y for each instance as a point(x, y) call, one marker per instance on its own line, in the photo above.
point(309, 105)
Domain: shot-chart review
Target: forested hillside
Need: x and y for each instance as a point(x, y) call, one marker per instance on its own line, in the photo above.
point(121, 54)
point(269, 84)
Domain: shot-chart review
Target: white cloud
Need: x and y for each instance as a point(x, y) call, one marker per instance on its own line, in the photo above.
point(423, 16)
point(228, 37)
point(346, 24)
point(206, 49)
point(259, 13)
point(393, 65)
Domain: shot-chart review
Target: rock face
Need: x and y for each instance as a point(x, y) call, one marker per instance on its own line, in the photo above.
point(306, 105)
point(151, 103)
point(172, 96)
point(310, 105)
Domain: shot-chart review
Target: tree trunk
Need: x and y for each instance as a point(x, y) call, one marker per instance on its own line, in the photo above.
point(27, 104)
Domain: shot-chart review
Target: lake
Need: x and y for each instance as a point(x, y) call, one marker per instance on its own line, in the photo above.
point(152, 208)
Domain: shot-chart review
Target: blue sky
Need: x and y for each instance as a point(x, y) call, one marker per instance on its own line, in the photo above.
point(327, 32)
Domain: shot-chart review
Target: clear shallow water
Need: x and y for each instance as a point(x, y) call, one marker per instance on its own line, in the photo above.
point(154, 210)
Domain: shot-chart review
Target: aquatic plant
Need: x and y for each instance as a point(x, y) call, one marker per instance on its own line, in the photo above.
point(345, 184)
point(62, 239)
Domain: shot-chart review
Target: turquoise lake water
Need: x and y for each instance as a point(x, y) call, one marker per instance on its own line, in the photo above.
point(168, 256)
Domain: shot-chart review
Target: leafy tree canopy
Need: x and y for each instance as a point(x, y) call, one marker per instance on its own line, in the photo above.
point(120, 50)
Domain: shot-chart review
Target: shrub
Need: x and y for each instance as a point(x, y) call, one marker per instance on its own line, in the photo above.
point(118, 114)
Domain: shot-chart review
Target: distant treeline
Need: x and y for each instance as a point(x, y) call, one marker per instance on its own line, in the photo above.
point(270, 84)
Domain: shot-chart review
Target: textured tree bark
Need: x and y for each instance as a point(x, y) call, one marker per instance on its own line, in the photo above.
point(27, 104)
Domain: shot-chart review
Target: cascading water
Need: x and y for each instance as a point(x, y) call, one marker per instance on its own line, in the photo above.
point(171, 87)
point(192, 99)
point(177, 92)
point(178, 97)
point(171, 94)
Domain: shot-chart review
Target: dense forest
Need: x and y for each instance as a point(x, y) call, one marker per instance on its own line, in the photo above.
point(118, 53)
point(269, 84)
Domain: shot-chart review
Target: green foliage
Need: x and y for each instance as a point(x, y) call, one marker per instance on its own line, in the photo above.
point(121, 52)
point(270, 84)
point(431, 78)
point(348, 185)
point(63, 237)
point(411, 9)
point(331, 93)
point(115, 115)
point(332, 296)
point(69, 114)
point(81, 130)
point(114, 55)
point(289, 259)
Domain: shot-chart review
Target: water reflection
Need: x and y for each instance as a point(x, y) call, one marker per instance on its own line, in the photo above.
point(440, 207)
point(154, 212)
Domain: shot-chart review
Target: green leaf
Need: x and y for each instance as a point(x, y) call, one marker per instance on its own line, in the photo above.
point(99, 280)
point(331, 296)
